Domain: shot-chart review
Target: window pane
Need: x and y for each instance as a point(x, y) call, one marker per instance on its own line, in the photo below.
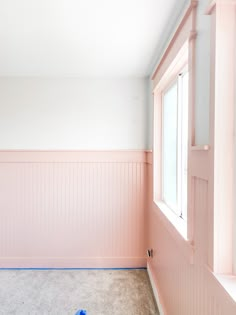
point(184, 144)
point(170, 115)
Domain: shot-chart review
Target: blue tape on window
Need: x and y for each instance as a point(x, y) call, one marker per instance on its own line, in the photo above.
point(81, 312)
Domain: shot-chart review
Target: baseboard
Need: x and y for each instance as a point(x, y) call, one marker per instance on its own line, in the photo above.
point(73, 262)
point(155, 290)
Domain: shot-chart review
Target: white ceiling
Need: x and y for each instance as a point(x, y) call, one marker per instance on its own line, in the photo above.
point(83, 37)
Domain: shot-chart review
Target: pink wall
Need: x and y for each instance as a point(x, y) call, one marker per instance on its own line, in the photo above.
point(72, 209)
point(180, 270)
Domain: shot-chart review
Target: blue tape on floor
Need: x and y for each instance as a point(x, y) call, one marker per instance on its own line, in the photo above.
point(81, 312)
point(141, 268)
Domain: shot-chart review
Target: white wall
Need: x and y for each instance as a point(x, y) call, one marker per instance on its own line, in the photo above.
point(72, 113)
point(150, 113)
point(202, 100)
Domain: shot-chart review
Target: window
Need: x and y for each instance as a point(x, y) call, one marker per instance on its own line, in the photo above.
point(170, 146)
point(171, 132)
point(174, 130)
point(174, 145)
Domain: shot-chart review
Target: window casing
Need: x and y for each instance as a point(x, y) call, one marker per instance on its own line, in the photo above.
point(178, 59)
point(171, 130)
point(175, 145)
point(222, 130)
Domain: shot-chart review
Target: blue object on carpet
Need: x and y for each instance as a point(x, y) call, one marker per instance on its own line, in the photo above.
point(81, 312)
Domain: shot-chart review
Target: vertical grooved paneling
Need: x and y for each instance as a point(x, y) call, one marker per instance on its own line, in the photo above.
point(85, 213)
point(185, 288)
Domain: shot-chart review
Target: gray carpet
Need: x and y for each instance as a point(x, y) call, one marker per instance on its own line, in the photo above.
point(63, 292)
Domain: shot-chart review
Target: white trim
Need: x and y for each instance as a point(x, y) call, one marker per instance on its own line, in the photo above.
point(155, 291)
point(228, 282)
point(204, 147)
point(178, 223)
point(187, 9)
point(179, 63)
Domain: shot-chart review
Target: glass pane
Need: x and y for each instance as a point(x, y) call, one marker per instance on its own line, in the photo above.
point(184, 143)
point(170, 115)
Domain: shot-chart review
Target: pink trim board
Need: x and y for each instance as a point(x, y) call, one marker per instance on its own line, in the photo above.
point(72, 209)
point(183, 272)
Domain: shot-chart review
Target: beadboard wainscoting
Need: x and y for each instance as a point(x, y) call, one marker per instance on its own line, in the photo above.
point(72, 208)
point(180, 269)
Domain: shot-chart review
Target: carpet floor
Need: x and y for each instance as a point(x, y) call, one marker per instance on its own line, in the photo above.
point(64, 292)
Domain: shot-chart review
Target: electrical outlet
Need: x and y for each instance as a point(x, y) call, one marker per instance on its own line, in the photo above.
point(150, 253)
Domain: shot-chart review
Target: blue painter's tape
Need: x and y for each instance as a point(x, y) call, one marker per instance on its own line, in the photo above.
point(140, 268)
point(81, 312)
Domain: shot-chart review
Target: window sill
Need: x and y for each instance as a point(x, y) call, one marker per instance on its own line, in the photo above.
point(179, 224)
point(205, 147)
point(177, 228)
point(228, 282)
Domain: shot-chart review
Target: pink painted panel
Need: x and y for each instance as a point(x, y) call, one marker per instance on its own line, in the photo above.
point(181, 271)
point(186, 286)
point(61, 210)
point(223, 48)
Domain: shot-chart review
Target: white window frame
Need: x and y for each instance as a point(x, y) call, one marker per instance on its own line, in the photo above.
point(173, 207)
point(171, 75)
point(178, 207)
